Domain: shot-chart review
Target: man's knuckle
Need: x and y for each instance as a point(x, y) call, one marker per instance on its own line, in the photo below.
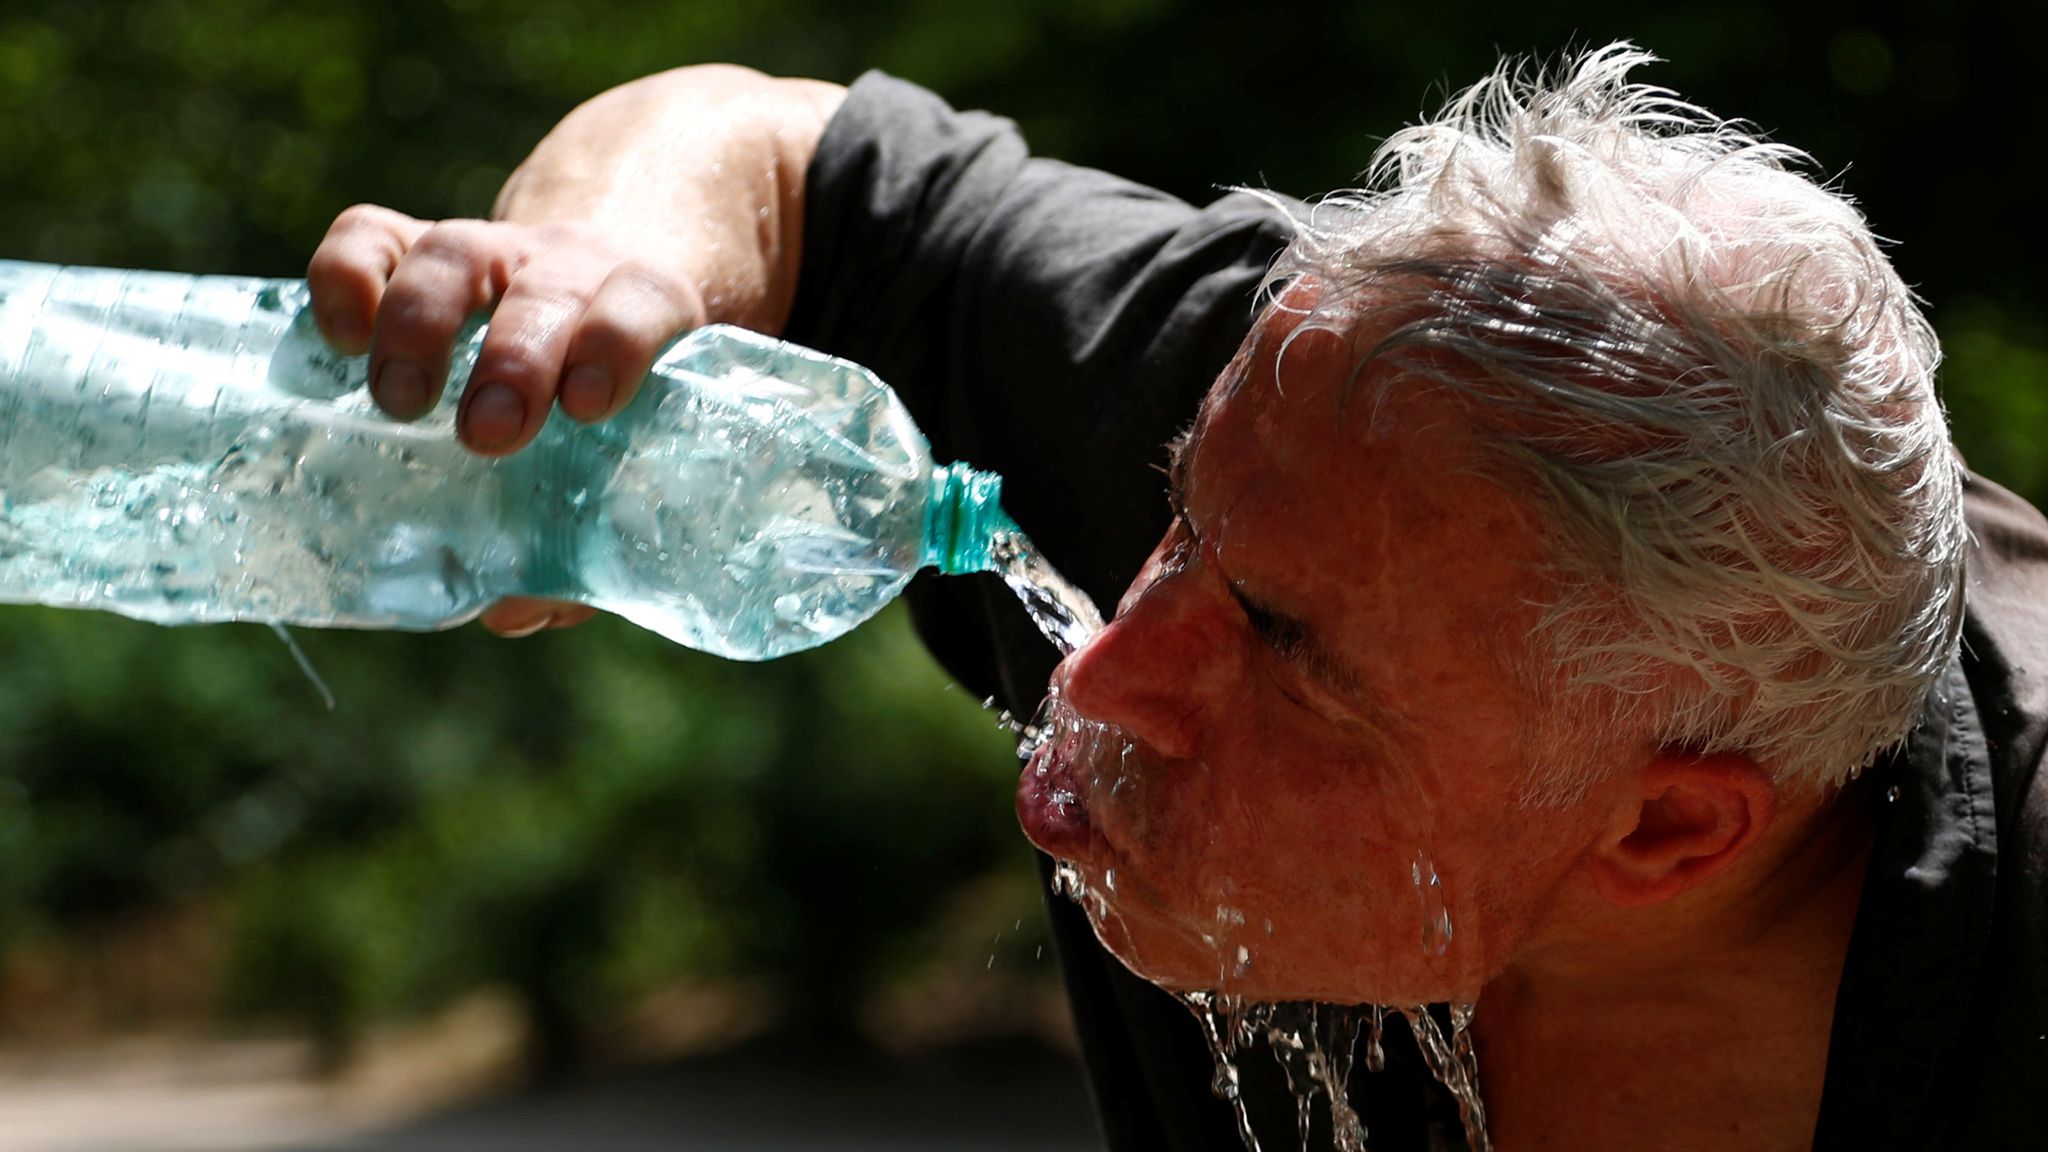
point(654, 300)
point(524, 368)
point(607, 335)
point(651, 280)
point(363, 217)
point(565, 234)
point(551, 291)
point(415, 321)
point(330, 262)
point(463, 244)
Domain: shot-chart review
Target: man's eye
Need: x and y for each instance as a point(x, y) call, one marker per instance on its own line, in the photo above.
point(1284, 635)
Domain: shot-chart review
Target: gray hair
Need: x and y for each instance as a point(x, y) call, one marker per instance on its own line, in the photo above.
point(1719, 390)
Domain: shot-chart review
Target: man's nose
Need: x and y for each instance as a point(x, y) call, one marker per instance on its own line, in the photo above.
point(1164, 667)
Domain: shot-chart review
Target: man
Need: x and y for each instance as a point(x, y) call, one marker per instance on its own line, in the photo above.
point(1558, 608)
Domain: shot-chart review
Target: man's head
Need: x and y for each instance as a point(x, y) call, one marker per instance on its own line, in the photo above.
point(1583, 493)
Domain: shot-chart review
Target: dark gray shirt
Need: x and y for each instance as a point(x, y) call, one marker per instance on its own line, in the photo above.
point(1059, 325)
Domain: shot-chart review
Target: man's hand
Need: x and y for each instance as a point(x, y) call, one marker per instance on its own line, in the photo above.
point(576, 315)
point(661, 205)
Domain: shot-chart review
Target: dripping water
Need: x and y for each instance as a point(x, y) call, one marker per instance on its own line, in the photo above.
point(1454, 1064)
point(1375, 1054)
point(291, 644)
point(1314, 1044)
point(1330, 1065)
point(1221, 1018)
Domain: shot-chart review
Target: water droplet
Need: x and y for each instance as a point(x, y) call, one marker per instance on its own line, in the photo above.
point(1435, 914)
point(1067, 882)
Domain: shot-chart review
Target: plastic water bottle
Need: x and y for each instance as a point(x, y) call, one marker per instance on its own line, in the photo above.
point(187, 449)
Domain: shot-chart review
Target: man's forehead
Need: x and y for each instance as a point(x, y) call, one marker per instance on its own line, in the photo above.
point(1287, 359)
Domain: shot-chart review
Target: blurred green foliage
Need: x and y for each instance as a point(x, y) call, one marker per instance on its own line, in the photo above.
point(587, 816)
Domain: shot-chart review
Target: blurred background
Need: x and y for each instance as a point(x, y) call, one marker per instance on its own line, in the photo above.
point(501, 867)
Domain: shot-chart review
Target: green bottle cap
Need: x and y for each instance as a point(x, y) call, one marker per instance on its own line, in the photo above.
point(962, 519)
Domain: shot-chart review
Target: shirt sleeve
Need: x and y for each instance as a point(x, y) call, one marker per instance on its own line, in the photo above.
point(1053, 323)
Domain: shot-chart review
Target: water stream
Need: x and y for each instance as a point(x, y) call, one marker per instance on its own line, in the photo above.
point(1063, 613)
point(1455, 1066)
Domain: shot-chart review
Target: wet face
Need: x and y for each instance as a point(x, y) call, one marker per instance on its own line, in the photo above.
point(1304, 705)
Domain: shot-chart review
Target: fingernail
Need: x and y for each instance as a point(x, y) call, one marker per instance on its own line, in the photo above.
point(528, 629)
point(401, 389)
point(347, 331)
point(495, 416)
point(587, 392)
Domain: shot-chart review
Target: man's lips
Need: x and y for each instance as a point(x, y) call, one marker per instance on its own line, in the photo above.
point(1051, 807)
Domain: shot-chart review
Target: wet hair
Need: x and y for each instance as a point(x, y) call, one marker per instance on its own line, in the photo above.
point(1719, 392)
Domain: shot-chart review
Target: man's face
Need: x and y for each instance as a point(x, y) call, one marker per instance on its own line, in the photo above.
point(1304, 704)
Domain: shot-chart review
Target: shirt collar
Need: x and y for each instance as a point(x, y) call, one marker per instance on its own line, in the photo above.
point(1922, 932)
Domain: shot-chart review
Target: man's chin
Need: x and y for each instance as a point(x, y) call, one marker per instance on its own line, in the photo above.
point(1164, 950)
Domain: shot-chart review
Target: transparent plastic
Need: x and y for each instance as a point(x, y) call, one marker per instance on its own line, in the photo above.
point(187, 449)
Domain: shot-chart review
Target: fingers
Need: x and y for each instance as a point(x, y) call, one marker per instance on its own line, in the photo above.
point(452, 271)
point(350, 268)
point(632, 318)
point(517, 617)
point(519, 368)
point(578, 325)
point(577, 318)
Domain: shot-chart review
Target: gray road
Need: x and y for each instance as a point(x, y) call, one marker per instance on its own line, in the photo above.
point(765, 1101)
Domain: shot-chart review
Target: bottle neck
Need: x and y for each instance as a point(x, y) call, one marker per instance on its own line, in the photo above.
point(962, 520)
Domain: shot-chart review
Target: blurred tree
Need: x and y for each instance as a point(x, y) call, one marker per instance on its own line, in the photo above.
point(585, 817)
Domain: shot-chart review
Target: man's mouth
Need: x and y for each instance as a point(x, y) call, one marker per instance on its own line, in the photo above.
point(1054, 791)
point(1051, 805)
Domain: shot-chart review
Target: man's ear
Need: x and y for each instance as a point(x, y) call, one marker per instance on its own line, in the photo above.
point(1690, 816)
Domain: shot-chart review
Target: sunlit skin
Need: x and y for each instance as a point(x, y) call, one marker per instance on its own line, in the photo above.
point(1308, 672)
point(1309, 682)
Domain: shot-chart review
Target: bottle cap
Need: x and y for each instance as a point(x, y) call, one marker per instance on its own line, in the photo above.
point(963, 517)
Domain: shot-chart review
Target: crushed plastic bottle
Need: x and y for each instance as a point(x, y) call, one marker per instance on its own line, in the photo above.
point(187, 449)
